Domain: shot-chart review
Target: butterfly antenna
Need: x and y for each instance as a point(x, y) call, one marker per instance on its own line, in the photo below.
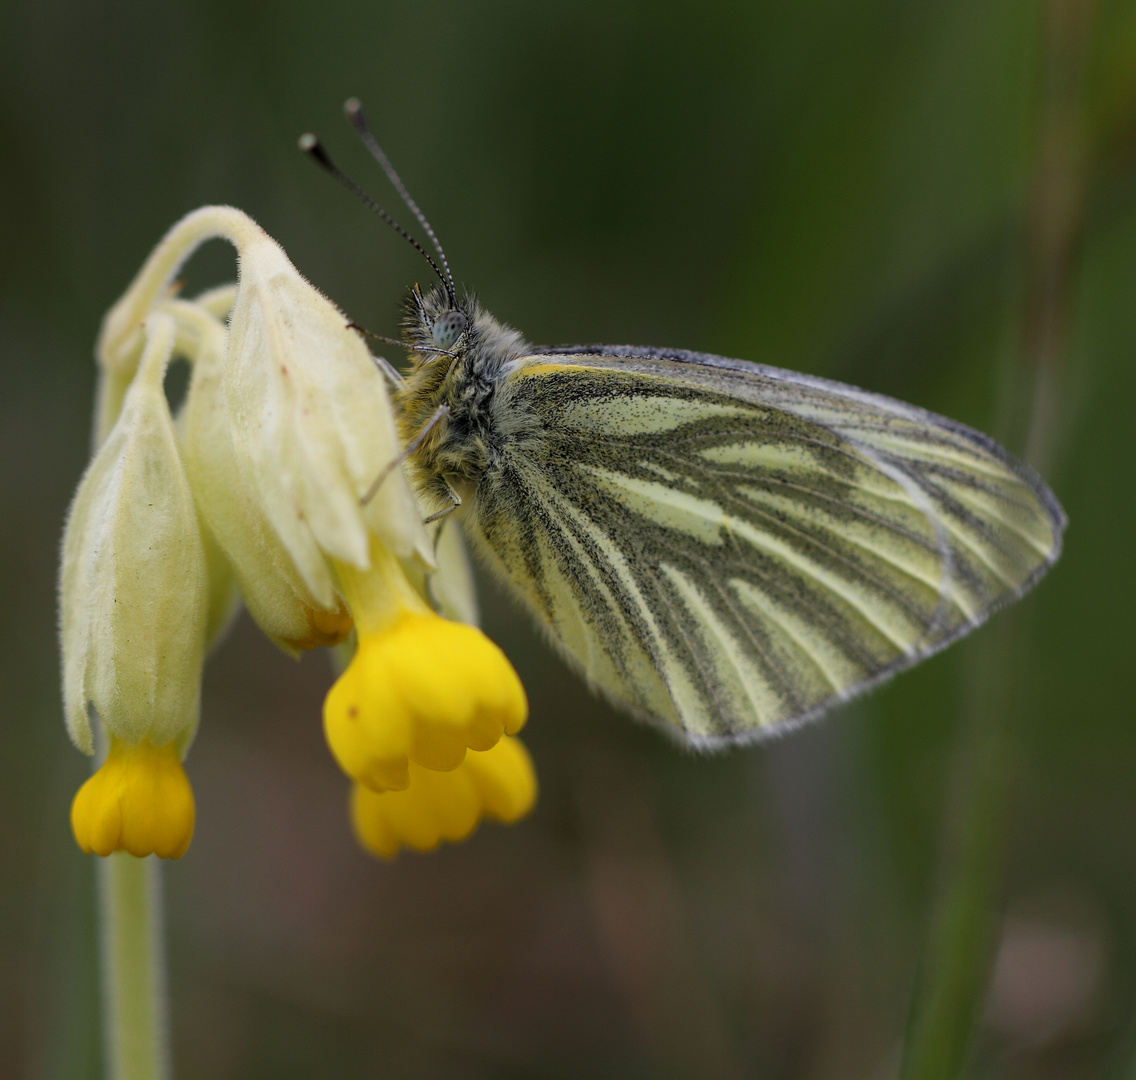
point(354, 112)
point(314, 149)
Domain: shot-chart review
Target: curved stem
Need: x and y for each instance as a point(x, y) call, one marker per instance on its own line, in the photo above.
point(121, 336)
point(135, 1011)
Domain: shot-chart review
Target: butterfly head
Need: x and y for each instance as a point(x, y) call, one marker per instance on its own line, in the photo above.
point(457, 337)
point(437, 325)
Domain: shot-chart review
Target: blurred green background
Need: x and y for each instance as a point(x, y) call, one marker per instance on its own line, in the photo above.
point(935, 200)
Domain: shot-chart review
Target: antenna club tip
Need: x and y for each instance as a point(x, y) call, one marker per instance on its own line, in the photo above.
point(352, 106)
point(307, 142)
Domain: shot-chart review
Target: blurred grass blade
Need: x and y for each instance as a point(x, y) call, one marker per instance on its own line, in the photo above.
point(956, 964)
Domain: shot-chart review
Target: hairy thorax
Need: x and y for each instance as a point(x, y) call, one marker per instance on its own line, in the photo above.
point(463, 444)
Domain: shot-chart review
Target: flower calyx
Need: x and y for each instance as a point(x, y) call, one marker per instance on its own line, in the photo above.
point(133, 583)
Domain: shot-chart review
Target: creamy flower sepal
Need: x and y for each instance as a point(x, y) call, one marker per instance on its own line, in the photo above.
point(312, 424)
point(133, 585)
point(273, 590)
point(451, 587)
point(286, 430)
point(307, 409)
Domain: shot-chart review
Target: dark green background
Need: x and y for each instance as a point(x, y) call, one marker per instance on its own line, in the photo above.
point(840, 186)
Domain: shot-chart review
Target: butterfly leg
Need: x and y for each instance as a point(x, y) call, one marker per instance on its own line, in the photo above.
point(455, 502)
point(414, 444)
point(394, 376)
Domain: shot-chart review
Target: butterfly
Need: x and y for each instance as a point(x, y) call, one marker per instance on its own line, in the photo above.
point(719, 547)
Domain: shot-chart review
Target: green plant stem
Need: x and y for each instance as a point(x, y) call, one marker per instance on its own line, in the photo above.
point(135, 1013)
point(955, 965)
point(957, 960)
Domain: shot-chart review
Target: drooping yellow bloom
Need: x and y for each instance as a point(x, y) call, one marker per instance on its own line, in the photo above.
point(419, 689)
point(138, 801)
point(260, 490)
point(422, 719)
point(498, 783)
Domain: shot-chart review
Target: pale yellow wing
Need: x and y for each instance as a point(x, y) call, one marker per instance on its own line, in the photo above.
point(722, 547)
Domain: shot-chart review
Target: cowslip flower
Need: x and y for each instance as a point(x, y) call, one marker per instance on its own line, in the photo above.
point(421, 701)
point(265, 479)
point(134, 596)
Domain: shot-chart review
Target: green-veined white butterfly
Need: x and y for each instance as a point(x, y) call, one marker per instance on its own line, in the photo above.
point(720, 547)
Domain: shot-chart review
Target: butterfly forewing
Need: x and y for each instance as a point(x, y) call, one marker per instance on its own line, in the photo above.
point(723, 547)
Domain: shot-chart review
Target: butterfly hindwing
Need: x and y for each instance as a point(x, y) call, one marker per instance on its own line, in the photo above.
point(723, 547)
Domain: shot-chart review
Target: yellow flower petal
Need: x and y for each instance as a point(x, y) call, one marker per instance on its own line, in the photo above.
point(499, 783)
point(138, 801)
point(505, 780)
point(365, 722)
point(424, 690)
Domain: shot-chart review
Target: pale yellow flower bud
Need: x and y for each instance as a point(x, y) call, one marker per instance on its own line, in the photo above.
point(273, 590)
point(200, 333)
point(311, 423)
point(133, 587)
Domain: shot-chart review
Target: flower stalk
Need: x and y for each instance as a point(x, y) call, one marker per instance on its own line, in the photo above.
point(135, 1009)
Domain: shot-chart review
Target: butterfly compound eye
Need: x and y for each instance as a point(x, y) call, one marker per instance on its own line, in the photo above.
point(448, 328)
